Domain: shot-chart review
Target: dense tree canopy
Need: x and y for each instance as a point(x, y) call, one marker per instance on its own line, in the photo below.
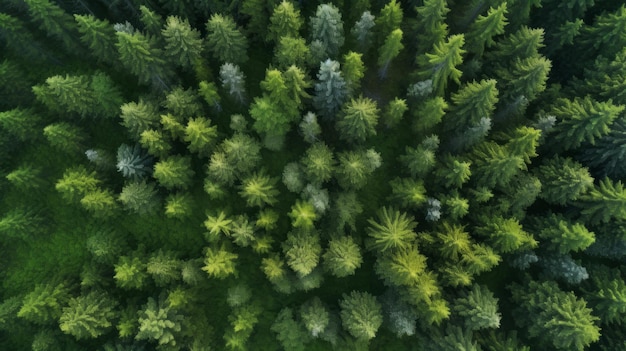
point(186, 175)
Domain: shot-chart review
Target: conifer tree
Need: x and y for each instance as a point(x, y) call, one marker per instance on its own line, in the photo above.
point(159, 322)
point(362, 30)
point(155, 142)
point(225, 42)
point(478, 308)
point(420, 160)
point(361, 314)
point(519, 45)
point(152, 21)
point(292, 51)
point(141, 56)
point(389, 50)
point(22, 123)
point(88, 316)
point(408, 192)
point(473, 101)
point(76, 183)
point(139, 116)
point(563, 180)
point(99, 36)
point(183, 44)
point(54, 21)
point(440, 64)
point(354, 168)
point(200, 135)
point(291, 334)
point(563, 268)
point(315, 316)
point(21, 223)
point(430, 113)
point(389, 19)
point(327, 27)
point(484, 28)
point(431, 24)
point(562, 235)
point(285, 22)
point(19, 40)
point(302, 250)
point(526, 77)
point(43, 305)
point(133, 162)
point(607, 29)
point(234, 80)
point(302, 215)
point(219, 262)
point(100, 203)
point(505, 234)
point(259, 190)
point(606, 201)
point(130, 272)
point(309, 128)
point(606, 293)
point(140, 197)
point(453, 172)
point(392, 230)
point(495, 165)
point(331, 90)
point(342, 257)
point(358, 120)
point(26, 177)
point(402, 267)
point(174, 172)
point(65, 137)
point(394, 112)
point(557, 318)
point(163, 267)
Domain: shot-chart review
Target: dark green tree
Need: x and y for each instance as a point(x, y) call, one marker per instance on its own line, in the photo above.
point(183, 44)
point(481, 32)
point(88, 316)
point(362, 30)
point(342, 257)
point(291, 334)
point(331, 90)
point(141, 56)
point(140, 198)
point(54, 21)
point(431, 24)
point(44, 304)
point(478, 308)
point(99, 36)
point(225, 42)
point(472, 102)
point(441, 64)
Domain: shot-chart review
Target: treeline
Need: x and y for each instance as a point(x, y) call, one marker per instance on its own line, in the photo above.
point(277, 175)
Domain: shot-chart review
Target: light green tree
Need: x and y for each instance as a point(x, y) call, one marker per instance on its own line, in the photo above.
point(562, 235)
point(563, 180)
point(219, 262)
point(481, 32)
point(139, 116)
point(318, 163)
point(302, 215)
point(302, 250)
point(361, 314)
point(159, 322)
point(358, 120)
point(44, 304)
point(140, 197)
point(353, 70)
point(100, 203)
point(392, 230)
point(505, 234)
point(431, 28)
point(472, 102)
point(141, 56)
point(130, 272)
point(285, 22)
point(389, 50)
point(342, 257)
point(174, 172)
point(440, 65)
point(179, 205)
point(605, 201)
point(259, 190)
point(408, 192)
point(76, 183)
point(88, 316)
point(478, 308)
point(401, 267)
point(200, 135)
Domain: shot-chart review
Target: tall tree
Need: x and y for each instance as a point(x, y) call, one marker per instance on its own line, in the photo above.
point(441, 64)
point(331, 90)
point(23, 123)
point(473, 101)
point(174, 172)
point(259, 190)
point(183, 44)
point(358, 120)
point(88, 316)
point(362, 30)
point(342, 257)
point(361, 314)
point(219, 262)
point(557, 318)
point(159, 322)
point(225, 42)
point(431, 24)
point(142, 57)
point(606, 201)
point(140, 198)
point(99, 36)
point(44, 304)
point(389, 19)
point(478, 308)
point(285, 22)
point(327, 27)
point(302, 250)
point(234, 80)
point(481, 32)
point(200, 135)
point(54, 21)
point(563, 180)
point(389, 50)
point(392, 230)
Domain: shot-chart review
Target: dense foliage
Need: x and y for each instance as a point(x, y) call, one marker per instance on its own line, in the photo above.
point(279, 175)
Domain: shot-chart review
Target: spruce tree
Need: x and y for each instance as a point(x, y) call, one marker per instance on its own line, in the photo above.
point(389, 50)
point(361, 314)
point(99, 36)
point(302, 250)
point(358, 120)
point(481, 32)
point(183, 44)
point(478, 308)
point(342, 257)
point(285, 22)
point(362, 30)
point(140, 55)
point(225, 42)
point(44, 304)
point(331, 90)
point(174, 172)
point(441, 63)
point(327, 27)
point(392, 230)
point(88, 316)
point(140, 197)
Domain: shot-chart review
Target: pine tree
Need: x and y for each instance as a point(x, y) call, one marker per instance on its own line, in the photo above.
point(242, 152)
point(318, 163)
point(302, 250)
point(234, 80)
point(327, 27)
point(174, 172)
point(361, 314)
point(606, 293)
point(100, 203)
point(563, 268)
point(495, 165)
point(409, 193)
point(453, 172)
point(315, 316)
point(428, 114)
point(43, 305)
point(139, 116)
point(219, 262)
point(358, 120)
point(76, 183)
point(505, 234)
point(208, 92)
point(200, 135)
point(54, 21)
point(453, 241)
point(290, 334)
point(420, 160)
point(225, 42)
point(484, 28)
point(270, 120)
point(152, 21)
point(478, 308)
point(159, 322)
point(140, 197)
point(130, 272)
point(99, 36)
point(285, 22)
point(220, 169)
point(182, 102)
point(440, 65)
point(455, 338)
point(517, 46)
point(302, 215)
point(65, 137)
point(606, 201)
point(473, 101)
point(389, 19)
point(362, 30)
point(606, 33)
point(431, 24)
point(342, 257)
point(392, 230)
point(179, 205)
point(389, 50)
point(88, 316)
point(19, 40)
point(292, 51)
point(259, 190)
point(183, 44)
point(558, 319)
point(526, 77)
point(141, 56)
point(331, 90)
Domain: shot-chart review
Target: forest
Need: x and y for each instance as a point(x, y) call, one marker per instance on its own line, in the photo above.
point(266, 175)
